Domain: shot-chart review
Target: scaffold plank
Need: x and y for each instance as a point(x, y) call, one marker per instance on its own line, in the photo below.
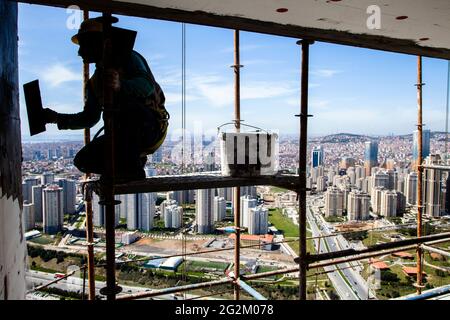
point(199, 181)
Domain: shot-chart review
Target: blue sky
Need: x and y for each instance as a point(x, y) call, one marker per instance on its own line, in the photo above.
point(351, 89)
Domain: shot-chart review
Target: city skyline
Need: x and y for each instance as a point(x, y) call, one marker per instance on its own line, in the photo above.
point(359, 90)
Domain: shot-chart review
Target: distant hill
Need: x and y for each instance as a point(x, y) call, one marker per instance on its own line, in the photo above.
point(343, 138)
point(350, 137)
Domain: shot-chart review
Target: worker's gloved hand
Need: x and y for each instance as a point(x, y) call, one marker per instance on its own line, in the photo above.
point(50, 116)
point(112, 79)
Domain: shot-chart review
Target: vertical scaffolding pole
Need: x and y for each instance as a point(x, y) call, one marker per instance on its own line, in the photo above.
point(446, 110)
point(302, 166)
point(237, 190)
point(108, 178)
point(420, 173)
point(88, 200)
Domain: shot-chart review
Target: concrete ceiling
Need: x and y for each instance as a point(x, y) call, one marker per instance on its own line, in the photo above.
point(407, 26)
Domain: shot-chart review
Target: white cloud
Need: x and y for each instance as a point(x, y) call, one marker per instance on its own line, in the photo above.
point(325, 73)
point(58, 73)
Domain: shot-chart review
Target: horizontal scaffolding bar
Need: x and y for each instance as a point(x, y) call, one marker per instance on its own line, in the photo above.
point(160, 292)
point(432, 293)
point(436, 250)
point(377, 247)
point(195, 181)
point(255, 294)
point(369, 255)
point(436, 167)
point(270, 273)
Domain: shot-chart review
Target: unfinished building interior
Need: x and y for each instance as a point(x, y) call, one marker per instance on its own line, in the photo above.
point(415, 27)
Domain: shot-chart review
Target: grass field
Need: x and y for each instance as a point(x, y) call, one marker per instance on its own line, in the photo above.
point(44, 239)
point(283, 223)
point(198, 265)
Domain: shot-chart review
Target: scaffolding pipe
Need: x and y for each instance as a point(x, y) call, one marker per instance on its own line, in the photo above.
point(237, 190)
point(446, 110)
point(347, 258)
point(255, 294)
point(88, 200)
point(155, 293)
point(378, 247)
point(108, 178)
point(420, 172)
point(436, 167)
point(303, 139)
point(436, 250)
point(427, 294)
point(371, 255)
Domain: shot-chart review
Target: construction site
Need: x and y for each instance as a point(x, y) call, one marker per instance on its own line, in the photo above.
point(299, 240)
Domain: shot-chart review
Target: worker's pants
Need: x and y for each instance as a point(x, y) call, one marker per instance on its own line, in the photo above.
point(134, 134)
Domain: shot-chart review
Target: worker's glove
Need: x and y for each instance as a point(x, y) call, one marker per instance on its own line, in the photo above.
point(50, 116)
point(112, 79)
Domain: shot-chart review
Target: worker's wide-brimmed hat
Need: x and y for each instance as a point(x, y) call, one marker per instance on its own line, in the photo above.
point(94, 25)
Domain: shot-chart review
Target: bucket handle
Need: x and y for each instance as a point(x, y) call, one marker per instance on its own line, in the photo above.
point(243, 124)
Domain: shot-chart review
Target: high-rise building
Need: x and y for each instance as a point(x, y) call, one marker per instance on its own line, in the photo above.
point(331, 174)
point(346, 163)
point(173, 217)
point(359, 184)
point(401, 203)
point(146, 211)
point(316, 172)
point(390, 164)
point(258, 220)
point(321, 184)
point(220, 208)
point(47, 178)
point(393, 178)
point(247, 202)
point(27, 190)
point(411, 188)
point(226, 193)
point(189, 196)
point(358, 206)
point(426, 134)
point(204, 208)
point(69, 195)
point(345, 191)
point(98, 211)
point(432, 187)
point(36, 199)
point(359, 172)
point(401, 184)
point(351, 175)
point(377, 195)
point(389, 203)
point(28, 215)
point(317, 157)
point(53, 216)
point(178, 196)
point(334, 202)
point(370, 156)
point(380, 179)
point(140, 210)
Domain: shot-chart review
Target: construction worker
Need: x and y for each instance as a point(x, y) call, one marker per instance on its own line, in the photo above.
point(141, 120)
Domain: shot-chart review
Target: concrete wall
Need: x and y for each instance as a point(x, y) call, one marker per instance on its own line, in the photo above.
point(12, 241)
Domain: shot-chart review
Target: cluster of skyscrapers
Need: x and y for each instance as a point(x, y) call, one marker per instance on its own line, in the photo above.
point(385, 191)
point(46, 200)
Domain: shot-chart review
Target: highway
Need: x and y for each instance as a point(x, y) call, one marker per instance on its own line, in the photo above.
point(348, 282)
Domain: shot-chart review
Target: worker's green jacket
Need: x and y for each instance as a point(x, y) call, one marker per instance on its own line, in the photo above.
point(137, 88)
